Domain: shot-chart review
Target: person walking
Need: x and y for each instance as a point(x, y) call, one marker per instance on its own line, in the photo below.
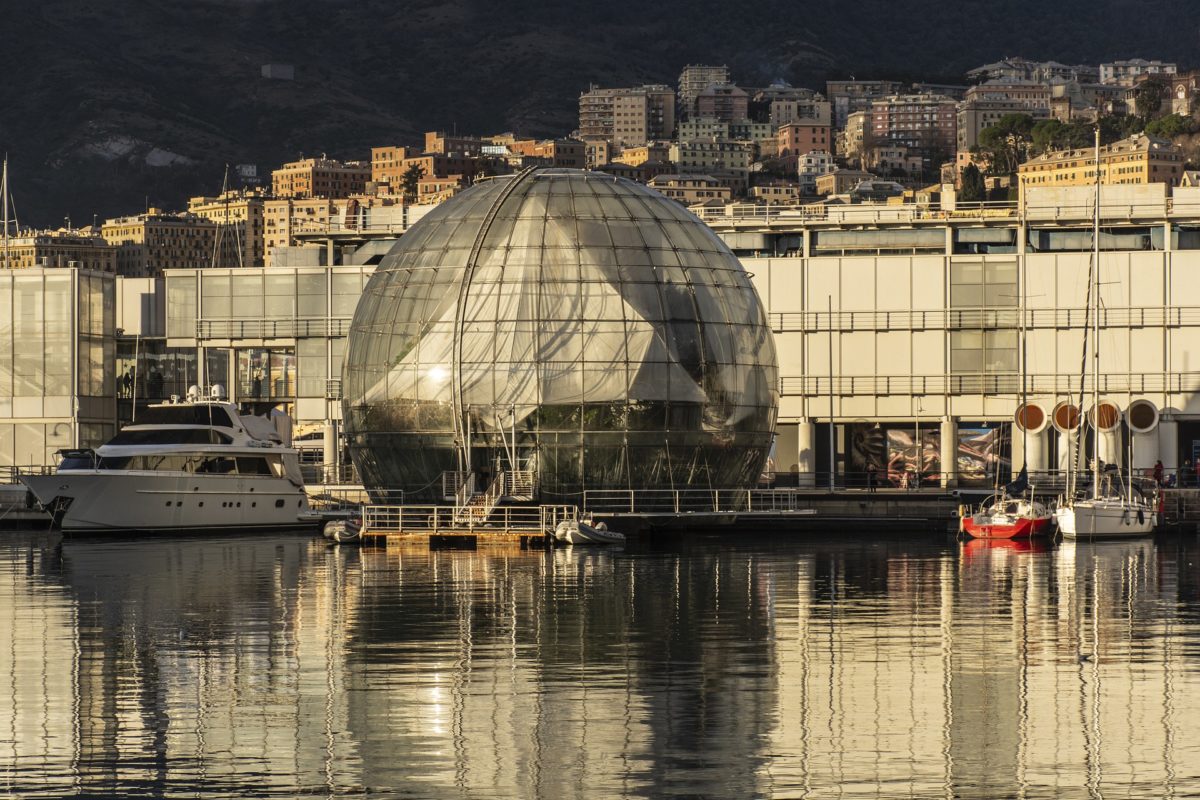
point(1158, 472)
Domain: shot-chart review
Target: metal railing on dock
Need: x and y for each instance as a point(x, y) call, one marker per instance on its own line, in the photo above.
point(682, 501)
point(400, 519)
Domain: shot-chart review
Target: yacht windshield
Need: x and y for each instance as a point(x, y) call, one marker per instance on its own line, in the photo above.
point(198, 464)
point(184, 415)
point(172, 436)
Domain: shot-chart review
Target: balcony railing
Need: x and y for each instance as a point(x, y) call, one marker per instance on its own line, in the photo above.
point(975, 318)
point(1006, 383)
point(284, 328)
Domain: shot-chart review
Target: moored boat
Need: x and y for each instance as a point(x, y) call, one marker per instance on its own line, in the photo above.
point(585, 531)
point(183, 466)
point(1008, 518)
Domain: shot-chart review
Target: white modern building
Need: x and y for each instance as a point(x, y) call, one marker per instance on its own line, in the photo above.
point(900, 324)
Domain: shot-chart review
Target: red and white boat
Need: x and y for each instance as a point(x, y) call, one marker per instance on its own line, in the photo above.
point(1003, 517)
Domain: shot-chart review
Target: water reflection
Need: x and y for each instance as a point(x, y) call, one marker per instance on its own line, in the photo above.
point(804, 667)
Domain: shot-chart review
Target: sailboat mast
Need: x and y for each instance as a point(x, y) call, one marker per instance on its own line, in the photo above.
point(4, 196)
point(1094, 298)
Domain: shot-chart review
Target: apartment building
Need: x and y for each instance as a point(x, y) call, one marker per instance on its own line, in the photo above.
point(847, 97)
point(320, 177)
point(694, 79)
point(146, 244)
point(84, 249)
point(387, 164)
point(924, 124)
point(704, 156)
point(815, 110)
point(446, 144)
point(691, 189)
point(797, 138)
point(984, 105)
point(841, 181)
point(724, 102)
point(283, 219)
point(1124, 73)
point(851, 140)
point(1022, 69)
point(632, 116)
point(569, 153)
point(636, 156)
point(238, 214)
point(776, 193)
point(1138, 159)
point(811, 166)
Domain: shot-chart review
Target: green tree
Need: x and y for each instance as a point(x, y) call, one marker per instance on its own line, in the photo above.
point(1150, 97)
point(1170, 126)
point(973, 187)
point(410, 181)
point(1007, 143)
point(1048, 135)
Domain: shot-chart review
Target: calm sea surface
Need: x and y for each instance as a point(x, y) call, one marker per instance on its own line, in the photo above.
point(751, 666)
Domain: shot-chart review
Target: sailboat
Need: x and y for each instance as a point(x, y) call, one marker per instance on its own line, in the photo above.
point(1014, 513)
point(1112, 510)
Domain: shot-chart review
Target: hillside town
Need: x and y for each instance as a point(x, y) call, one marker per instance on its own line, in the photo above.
point(705, 142)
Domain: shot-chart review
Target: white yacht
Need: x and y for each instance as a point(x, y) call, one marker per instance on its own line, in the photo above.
point(183, 466)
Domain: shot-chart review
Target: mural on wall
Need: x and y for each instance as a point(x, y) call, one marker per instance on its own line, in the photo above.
point(865, 452)
point(982, 456)
point(909, 466)
point(892, 455)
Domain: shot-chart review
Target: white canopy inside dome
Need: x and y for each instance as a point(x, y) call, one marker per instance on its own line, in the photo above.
point(575, 350)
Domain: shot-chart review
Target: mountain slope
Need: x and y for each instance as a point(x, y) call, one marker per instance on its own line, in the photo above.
point(105, 107)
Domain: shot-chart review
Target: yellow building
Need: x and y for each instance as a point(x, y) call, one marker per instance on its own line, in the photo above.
point(283, 218)
point(239, 218)
point(84, 249)
point(320, 177)
point(148, 243)
point(691, 189)
point(636, 156)
point(1138, 159)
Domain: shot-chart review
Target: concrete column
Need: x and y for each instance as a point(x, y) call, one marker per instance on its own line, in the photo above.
point(1035, 450)
point(806, 456)
point(1111, 451)
point(786, 447)
point(949, 452)
point(329, 454)
point(1168, 441)
point(1145, 450)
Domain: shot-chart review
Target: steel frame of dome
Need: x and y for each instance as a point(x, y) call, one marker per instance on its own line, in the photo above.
point(601, 326)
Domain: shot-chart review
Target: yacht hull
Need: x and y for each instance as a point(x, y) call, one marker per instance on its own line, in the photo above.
point(1096, 519)
point(108, 501)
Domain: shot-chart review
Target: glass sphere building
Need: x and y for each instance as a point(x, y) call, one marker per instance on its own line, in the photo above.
point(568, 323)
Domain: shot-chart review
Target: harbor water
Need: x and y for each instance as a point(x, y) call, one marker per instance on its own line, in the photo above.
point(834, 665)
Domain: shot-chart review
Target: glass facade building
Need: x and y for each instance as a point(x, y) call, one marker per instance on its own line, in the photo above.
point(57, 348)
point(567, 323)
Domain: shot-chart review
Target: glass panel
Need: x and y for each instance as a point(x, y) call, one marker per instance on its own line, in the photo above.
point(181, 306)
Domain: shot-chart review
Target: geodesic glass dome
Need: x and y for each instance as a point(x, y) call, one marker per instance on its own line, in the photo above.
point(568, 323)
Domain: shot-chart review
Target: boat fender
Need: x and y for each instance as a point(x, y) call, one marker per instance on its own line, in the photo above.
point(1141, 517)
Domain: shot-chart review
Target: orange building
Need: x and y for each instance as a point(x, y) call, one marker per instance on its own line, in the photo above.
point(798, 138)
point(320, 177)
